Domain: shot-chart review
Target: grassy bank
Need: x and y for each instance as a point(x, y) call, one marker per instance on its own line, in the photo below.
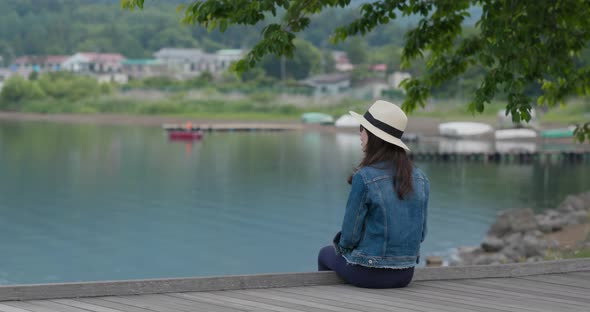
point(270, 107)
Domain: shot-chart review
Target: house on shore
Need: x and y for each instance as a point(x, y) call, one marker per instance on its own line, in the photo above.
point(329, 84)
point(106, 67)
point(190, 63)
point(143, 68)
point(39, 63)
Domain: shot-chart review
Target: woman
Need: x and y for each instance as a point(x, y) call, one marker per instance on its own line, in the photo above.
point(385, 218)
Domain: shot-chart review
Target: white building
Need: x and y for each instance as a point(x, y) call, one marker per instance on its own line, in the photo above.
point(106, 67)
point(187, 63)
point(330, 84)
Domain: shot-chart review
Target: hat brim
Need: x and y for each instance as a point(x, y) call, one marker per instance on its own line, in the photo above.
point(378, 132)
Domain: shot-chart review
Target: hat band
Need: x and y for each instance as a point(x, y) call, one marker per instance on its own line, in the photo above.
point(383, 126)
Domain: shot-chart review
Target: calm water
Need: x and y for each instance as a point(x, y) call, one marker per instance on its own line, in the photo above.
point(81, 202)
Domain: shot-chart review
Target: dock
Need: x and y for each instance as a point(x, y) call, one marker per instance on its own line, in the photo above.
point(550, 286)
point(580, 156)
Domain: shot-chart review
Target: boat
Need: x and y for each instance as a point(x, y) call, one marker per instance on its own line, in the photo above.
point(464, 146)
point(558, 133)
point(347, 121)
point(521, 133)
point(463, 129)
point(185, 135)
point(317, 118)
point(183, 132)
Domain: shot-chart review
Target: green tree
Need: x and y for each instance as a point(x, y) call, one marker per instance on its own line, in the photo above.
point(518, 43)
point(357, 51)
point(16, 90)
point(305, 61)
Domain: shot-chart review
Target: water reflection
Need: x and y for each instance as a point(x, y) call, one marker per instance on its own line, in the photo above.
point(513, 147)
point(91, 202)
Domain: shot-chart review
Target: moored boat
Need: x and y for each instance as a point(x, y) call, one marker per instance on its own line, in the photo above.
point(463, 129)
point(558, 133)
point(317, 118)
point(185, 135)
point(521, 133)
point(347, 121)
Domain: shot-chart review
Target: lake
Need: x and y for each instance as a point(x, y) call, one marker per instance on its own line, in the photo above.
point(90, 202)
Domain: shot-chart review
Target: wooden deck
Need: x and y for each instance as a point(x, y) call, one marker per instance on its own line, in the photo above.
point(550, 286)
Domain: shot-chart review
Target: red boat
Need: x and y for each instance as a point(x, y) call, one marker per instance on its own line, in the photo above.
point(185, 135)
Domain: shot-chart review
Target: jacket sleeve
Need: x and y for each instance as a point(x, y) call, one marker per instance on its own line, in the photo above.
point(425, 223)
point(354, 217)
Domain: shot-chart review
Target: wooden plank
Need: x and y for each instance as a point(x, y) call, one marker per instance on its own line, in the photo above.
point(56, 306)
point(508, 300)
point(250, 303)
point(362, 302)
point(7, 308)
point(167, 304)
point(331, 302)
point(573, 293)
point(548, 294)
point(502, 270)
point(141, 304)
point(389, 295)
point(85, 306)
point(113, 305)
point(581, 273)
point(261, 295)
point(327, 295)
point(540, 297)
point(532, 301)
point(476, 304)
point(560, 280)
point(29, 306)
point(155, 286)
point(195, 297)
point(184, 304)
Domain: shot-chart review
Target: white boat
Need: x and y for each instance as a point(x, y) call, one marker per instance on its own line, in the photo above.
point(464, 146)
point(463, 129)
point(347, 121)
point(515, 147)
point(317, 118)
point(507, 134)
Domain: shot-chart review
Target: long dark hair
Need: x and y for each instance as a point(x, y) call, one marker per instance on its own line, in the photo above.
point(377, 150)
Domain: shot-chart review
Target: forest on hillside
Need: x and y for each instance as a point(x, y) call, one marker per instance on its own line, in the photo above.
point(29, 27)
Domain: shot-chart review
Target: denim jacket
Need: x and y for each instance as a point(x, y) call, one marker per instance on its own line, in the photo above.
point(380, 230)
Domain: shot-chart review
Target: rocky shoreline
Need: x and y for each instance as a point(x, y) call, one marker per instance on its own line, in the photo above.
point(518, 235)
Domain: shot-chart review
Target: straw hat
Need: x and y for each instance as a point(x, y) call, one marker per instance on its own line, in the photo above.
point(386, 121)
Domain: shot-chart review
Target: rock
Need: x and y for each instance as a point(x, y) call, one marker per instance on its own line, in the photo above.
point(577, 217)
point(514, 220)
point(572, 203)
point(467, 255)
point(519, 235)
point(533, 247)
point(548, 224)
point(552, 213)
point(434, 261)
point(512, 239)
point(491, 244)
point(544, 224)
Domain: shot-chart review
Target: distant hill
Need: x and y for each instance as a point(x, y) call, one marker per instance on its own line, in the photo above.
point(65, 27)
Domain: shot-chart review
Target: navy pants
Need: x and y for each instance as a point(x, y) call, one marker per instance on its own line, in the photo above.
point(361, 276)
